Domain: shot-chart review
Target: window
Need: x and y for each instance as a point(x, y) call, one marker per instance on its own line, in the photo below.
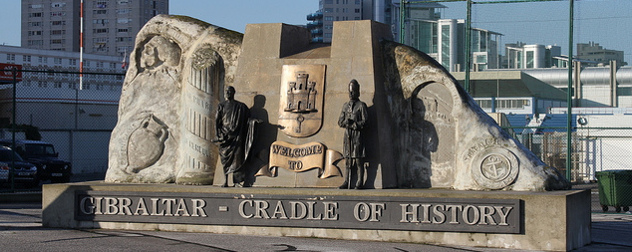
point(57, 22)
point(112, 65)
point(41, 84)
point(123, 11)
point(35, 42)
point(57, 32)
point(100, 4)
point(35, 24)
point(123, 1)
point(57, 61)
point(100, 64)
point(123, 39)
point(10, 56)
point(35, 6)
point(35, 14)
point(329, 18)
point(100, 21)
point(58, 5)
point(100, 40)
point(57, 14)
point(99, 12)
point(530, 63)
point(104, 30)
point(123, 30)
point(57, 84)
point(57, 41)
point(329, 10)
point(72, 62)
point(35, 33)
point(123, 20)
point(357, 10)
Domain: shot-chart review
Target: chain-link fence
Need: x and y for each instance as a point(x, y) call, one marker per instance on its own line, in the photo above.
point(483, 42)
point(480, 40)
point(600, 160)
point(63, 121)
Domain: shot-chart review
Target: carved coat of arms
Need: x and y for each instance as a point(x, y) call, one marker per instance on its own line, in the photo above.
point(301, 104)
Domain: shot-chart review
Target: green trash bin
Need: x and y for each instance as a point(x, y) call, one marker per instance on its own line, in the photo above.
point(615, 189)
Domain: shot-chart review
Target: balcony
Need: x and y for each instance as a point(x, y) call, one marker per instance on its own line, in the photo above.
point(317, 31)
point(314, 24)
point(315, 16)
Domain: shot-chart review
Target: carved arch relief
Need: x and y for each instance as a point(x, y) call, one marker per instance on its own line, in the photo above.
point(431, 135)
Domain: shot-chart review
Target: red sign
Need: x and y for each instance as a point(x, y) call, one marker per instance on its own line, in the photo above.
point(6, 73)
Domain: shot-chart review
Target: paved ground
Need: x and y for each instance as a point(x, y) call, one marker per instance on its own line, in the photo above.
point(21, 230)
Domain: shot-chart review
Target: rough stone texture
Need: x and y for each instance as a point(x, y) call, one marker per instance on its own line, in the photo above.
point(425, 130)
point(177, 72)
point(567, 229)
point(446, 140)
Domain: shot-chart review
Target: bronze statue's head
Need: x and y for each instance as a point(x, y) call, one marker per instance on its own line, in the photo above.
point(230, 93)
point(354, 90)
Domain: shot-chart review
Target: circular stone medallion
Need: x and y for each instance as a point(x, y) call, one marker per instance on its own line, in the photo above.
point(495, 168)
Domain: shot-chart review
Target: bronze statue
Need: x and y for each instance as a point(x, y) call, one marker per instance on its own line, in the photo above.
point(231, 131)
point(354, 119)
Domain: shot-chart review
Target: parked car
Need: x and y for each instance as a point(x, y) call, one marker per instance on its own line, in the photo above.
point(42, 155)
point(4, 172)
point(23, 171)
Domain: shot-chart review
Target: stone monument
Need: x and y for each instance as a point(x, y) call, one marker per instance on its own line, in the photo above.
point(420, 130)
point(424, 130)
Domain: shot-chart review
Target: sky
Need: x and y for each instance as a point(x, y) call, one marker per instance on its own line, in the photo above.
point(606, 22)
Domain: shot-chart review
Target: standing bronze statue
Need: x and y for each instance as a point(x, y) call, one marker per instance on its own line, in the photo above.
point(354, 119)
point(233, 135)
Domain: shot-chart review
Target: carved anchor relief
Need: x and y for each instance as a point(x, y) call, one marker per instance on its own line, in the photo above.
point(300, 111)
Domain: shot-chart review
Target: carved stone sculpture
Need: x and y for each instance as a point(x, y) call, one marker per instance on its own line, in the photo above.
point(425, 130)
point(169, 96)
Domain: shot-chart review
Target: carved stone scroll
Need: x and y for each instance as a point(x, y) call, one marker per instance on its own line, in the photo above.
point(300, 158)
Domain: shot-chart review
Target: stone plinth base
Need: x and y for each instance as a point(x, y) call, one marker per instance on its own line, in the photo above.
point(558, 220)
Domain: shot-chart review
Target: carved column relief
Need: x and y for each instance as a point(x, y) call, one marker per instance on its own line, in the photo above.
point(199, 102)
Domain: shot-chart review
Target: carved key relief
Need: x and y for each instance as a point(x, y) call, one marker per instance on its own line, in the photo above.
point(301, 104)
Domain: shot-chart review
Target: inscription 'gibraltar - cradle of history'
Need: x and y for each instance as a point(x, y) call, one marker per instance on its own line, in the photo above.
point(352, 212)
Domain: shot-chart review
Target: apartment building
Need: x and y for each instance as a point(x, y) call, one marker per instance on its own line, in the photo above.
point(109, 26)
point(321, 22)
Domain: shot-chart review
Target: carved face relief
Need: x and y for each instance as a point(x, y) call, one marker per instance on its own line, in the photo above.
point(159, 50)
point(301, 104)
